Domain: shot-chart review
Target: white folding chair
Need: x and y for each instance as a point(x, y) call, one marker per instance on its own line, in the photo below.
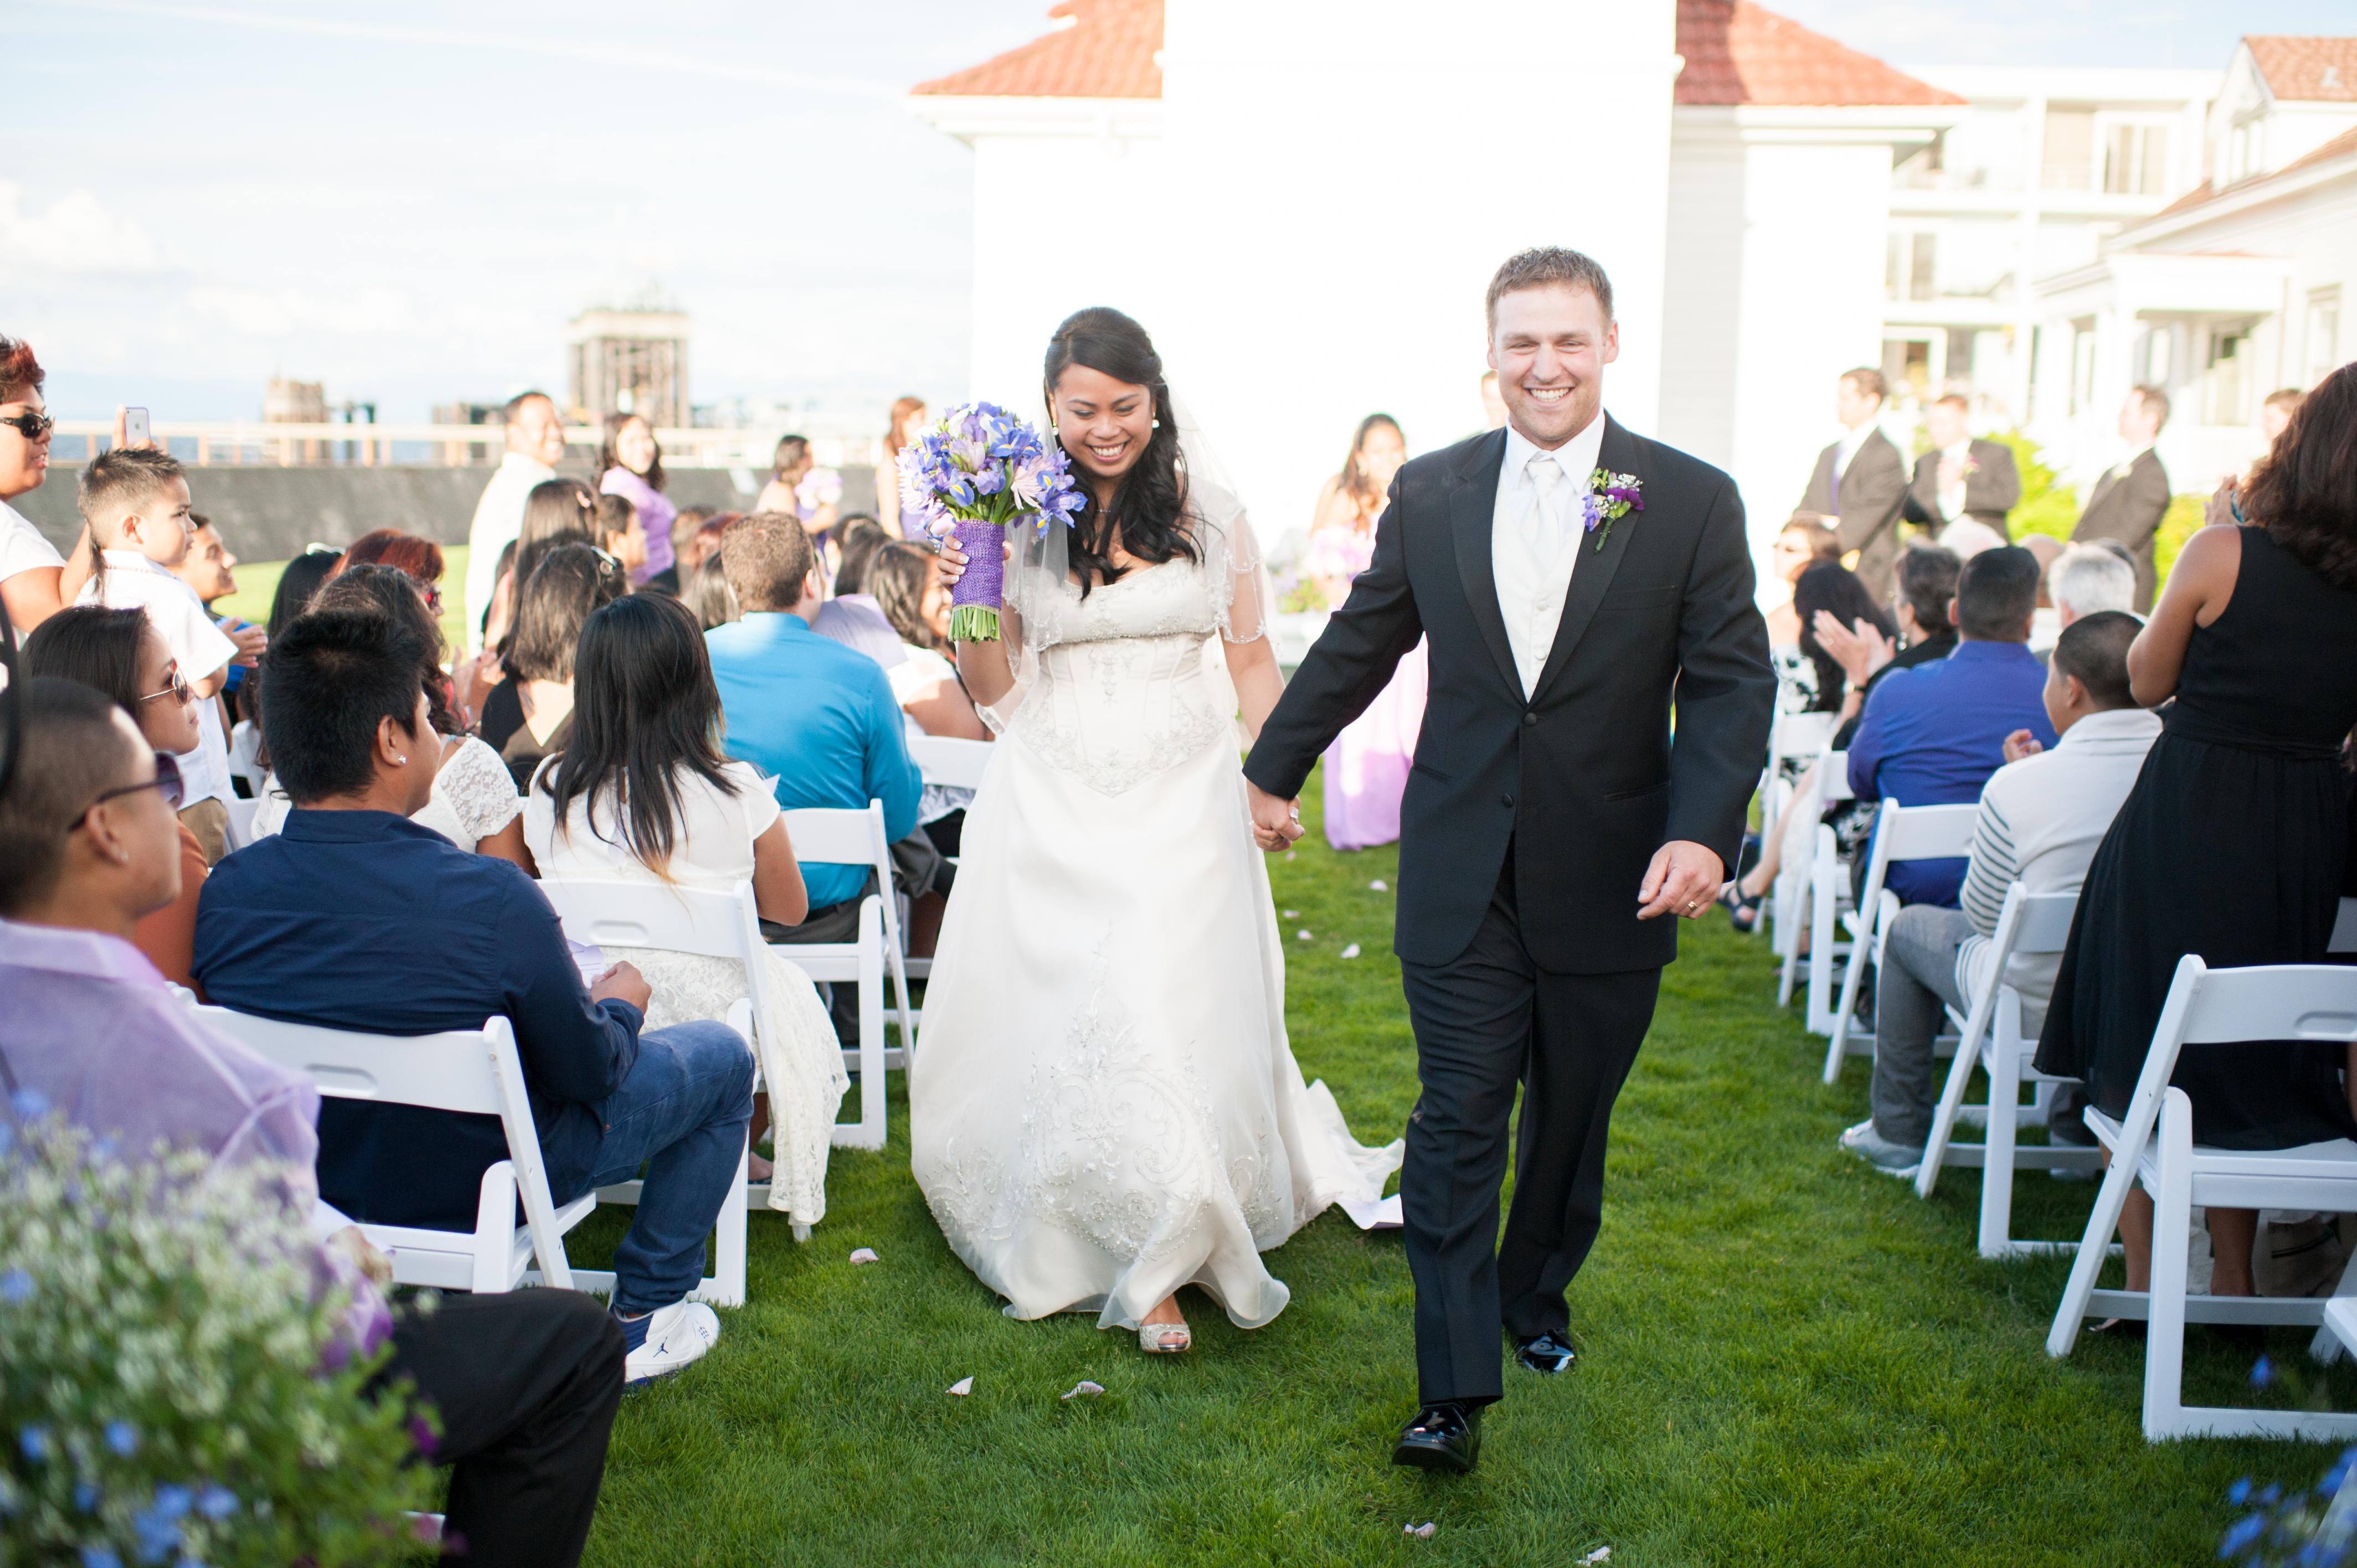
point(2212, 1007)
point(1989, 1036)
point(945, 760)
point(240, 832)
point(1901, 832)
point(473, 1070)
point(688, 921)
point(1809, 890)
point(839, 836)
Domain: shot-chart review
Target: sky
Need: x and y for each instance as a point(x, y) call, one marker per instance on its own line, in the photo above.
point(409, 201)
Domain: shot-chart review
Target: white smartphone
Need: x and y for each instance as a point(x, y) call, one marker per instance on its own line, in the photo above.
point(135, 426)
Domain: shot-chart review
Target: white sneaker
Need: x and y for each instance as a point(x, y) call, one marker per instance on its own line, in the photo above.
point(676, 1336)
point(1892, 1159)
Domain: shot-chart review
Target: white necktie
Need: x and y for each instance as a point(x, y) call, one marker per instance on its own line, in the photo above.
point(1542, 530)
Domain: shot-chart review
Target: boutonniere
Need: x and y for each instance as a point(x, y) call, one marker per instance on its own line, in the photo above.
point(1972, 464)
point(1611, 497)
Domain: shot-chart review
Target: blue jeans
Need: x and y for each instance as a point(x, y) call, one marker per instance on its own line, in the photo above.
point(682, 1112)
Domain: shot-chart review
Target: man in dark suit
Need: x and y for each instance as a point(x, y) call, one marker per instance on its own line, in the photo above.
point(2132, 496)
point(1960, 477)
point(1860, 484)
point(1574, 582)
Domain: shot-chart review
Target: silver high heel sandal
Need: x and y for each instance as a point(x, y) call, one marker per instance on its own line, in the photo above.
point(1149, 1338)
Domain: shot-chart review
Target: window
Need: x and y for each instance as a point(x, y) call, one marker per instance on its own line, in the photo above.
point(2243, 151)
point(1907, 266)
point(2228, 388)
point(2135, 160)
point(2324, 355)
point(2069, 164)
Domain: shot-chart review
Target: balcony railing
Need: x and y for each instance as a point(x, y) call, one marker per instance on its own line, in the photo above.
point(235, 443)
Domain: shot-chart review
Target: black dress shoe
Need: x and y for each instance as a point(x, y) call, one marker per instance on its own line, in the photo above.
point(1547, 1353)
point(1442, 1437)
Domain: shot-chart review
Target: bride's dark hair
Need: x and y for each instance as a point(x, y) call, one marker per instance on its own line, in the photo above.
point(1147, 514)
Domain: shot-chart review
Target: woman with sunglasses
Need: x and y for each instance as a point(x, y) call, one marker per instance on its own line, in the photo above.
point(29, 565)
point(118, 653)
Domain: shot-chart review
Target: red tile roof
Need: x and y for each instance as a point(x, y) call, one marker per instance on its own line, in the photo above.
point(2307, 69)
point(1106, 52)
point(2340, 147)
point(1735, 53)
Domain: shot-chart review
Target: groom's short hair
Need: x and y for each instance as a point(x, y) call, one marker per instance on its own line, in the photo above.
point(1544, 264)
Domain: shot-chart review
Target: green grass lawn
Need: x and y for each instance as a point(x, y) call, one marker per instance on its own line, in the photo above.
point(257, 580)
point(1789, 1359)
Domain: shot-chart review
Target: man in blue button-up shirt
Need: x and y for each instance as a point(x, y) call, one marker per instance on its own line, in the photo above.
point(1931, 736)
point(816, 716)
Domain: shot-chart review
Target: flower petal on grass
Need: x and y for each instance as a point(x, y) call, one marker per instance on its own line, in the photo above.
point(1303, 936)
point(1084, 1387)
point(863, 1254)
point(1601, 1554)
point(1378, 886)
point(1351, 951)
point(1421, 1531)
point(963, 1387)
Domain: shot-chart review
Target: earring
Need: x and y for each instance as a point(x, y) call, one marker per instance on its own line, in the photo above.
point(402, 761)
point(1158, 425)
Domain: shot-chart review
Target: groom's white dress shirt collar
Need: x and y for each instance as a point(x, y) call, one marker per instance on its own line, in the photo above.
point(1533, 581)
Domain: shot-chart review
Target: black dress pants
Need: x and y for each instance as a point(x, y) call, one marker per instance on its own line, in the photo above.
point(1484, 1021)
point(526, 1384)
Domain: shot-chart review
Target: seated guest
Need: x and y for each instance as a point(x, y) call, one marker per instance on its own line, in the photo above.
point(556, 512)
point(912, 597)
point(621, 533)
point(1931, 736)
point(2041, 816)
point(2088, 579)
point(858, 537)
point(1827, 590)
point(533, 708)
point(420, 557)
point(355, 918)
point(1794, 551)
point(707, 594)
point(643, 794)
point(474, 804)
point(852, 620)
point(120, 655)
point(686, 549)
point(818, 718)
point(525, 1383)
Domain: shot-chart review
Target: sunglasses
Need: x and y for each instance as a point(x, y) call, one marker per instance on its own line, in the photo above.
point(177, 691)
point(166, 779)
point(32, 427)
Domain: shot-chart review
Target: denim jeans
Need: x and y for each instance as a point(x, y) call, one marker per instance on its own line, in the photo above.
point(1918, 976)
point(682, 1112)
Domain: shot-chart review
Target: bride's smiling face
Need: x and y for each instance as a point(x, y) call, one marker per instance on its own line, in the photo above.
point(1103, 423)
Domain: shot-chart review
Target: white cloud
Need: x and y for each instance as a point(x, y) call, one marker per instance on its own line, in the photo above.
point(77, 236)
point(289, 313)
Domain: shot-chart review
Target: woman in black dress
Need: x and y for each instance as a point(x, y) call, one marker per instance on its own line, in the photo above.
point(2233, 843)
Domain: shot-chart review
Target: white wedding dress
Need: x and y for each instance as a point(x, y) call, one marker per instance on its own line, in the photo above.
point(1103, 1106)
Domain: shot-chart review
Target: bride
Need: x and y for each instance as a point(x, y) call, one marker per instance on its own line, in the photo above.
point(1105, 1108)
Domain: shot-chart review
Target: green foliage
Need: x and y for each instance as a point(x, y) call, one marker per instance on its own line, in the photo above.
point(166, 1336)
point(2045, 506)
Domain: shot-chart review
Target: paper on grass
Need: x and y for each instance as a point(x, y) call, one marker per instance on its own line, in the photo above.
point(1375, 1214)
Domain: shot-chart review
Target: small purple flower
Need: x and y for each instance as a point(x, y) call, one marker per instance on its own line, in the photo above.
point(173, 1502)
point(30, 1104)
point(2246, 1530)
point(2262, 1372)
point(2240, 1492)
point(123, 1437)
point(86, 1495)
point(216, 1502)
point(16, 1287)
point(96, 1556)
point(420, 1432)
point(33, 1441)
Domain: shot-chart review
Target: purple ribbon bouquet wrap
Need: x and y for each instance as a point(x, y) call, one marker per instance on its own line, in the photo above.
point(977, 473)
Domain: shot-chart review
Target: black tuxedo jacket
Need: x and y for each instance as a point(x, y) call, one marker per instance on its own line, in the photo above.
point(1581, 777)
point(2130, 510)
point(1992, 489)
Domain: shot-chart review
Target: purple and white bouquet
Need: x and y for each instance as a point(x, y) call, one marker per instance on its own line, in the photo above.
point(975, 474)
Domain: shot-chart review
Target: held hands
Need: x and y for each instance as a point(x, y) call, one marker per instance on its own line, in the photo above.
point(2225, 503)
point(1860, 652)
point(623, 983)
point(1275, 823)
point(951, 564)
point(353, 1246)
point(2021, 744)
point(1683, 880)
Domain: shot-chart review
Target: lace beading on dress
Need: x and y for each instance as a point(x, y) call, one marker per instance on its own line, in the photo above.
point(1125, 696)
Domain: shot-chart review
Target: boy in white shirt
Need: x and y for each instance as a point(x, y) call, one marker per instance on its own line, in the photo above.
point(136, 505)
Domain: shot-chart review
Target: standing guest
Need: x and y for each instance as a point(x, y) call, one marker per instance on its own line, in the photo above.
point(857, 539)
point(30, 565)
point(2132, 496)
point(630, 466)
point(321, 924)
point(135, 504)
point(473, 677)
point(909, 418)
point(2041, 816)
point(119, 655)
point(524, 1383)
point(535, 435)
point(709, 595)
point(529, 716)
point(643, 794)
point(791, 465)
point(1367, 766)
point(1931, 736)
point(474, 803)
point(1963, 481)
point(1860, 483)
point(2275, 413)
point(557, 511)
point(1828, 589)
point(2231, 845)
point(621, 535)
point(2088, 579)
point(818, 718)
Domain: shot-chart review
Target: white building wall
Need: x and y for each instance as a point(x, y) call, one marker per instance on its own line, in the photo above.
point(1704, 286)
point(1344, 178)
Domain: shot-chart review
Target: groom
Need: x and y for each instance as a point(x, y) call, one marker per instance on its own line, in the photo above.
point(1550, 823)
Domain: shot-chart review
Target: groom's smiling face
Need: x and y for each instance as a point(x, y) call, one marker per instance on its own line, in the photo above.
point(1549, 346)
